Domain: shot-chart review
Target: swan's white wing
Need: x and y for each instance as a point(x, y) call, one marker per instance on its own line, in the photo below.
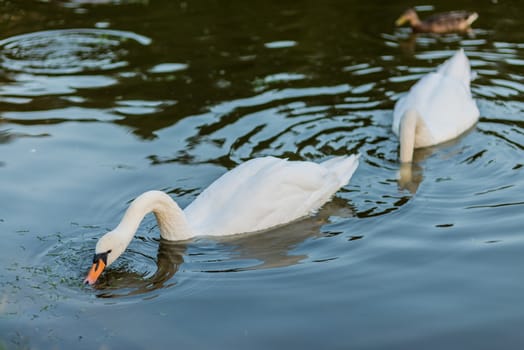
point(449, 110)
point(262, 193)
point(217, 195)
point(443, 100)
point(444, 103)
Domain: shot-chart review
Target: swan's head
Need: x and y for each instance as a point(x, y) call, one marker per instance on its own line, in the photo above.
point(108, 249)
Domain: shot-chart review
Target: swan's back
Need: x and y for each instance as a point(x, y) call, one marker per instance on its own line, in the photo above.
point(266, 192)
point(443, 101)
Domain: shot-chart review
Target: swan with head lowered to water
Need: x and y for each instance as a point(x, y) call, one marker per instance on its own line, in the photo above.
point(438, 108)
point(256, 195)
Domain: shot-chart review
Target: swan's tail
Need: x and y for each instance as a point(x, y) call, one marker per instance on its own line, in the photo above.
point(457, 67)
point(343, 167)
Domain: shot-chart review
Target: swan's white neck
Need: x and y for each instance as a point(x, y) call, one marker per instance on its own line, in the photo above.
point(408, 128)
point(171, 222)
point(171, 219)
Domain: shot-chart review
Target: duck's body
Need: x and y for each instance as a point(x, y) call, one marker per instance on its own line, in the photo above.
point(440, 23)
point(438, 108)
point(258, 194)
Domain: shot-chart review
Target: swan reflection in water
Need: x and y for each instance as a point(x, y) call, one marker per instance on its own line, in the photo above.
point(120, 282)
point(243, 252)
point(411, 175)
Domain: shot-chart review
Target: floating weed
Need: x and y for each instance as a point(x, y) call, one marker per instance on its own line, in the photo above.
point(57, 237)
point(12, 267)
point(91, 227)
point(37, 288)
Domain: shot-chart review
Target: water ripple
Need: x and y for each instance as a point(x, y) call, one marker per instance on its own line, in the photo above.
point(68, 51)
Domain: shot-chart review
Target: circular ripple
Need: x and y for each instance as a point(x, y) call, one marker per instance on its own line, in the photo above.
point(146, 266)
point(68, 51)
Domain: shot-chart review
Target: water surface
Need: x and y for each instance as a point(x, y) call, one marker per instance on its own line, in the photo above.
point(103, 100)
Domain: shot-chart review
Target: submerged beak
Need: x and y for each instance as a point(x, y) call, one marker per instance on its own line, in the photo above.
point(96, 270)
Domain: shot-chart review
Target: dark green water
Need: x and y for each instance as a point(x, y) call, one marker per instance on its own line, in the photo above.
point(102, 100)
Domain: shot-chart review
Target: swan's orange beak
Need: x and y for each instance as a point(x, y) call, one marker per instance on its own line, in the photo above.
point(96, 270)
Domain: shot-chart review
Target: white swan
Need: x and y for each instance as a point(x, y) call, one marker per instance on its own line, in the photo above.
point(438, 108)
point(256, 195)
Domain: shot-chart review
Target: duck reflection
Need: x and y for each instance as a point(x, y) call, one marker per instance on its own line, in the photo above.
point(408, 42)
point(262, 250)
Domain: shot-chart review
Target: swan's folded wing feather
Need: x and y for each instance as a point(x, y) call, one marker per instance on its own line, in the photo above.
point(444, 103)
point(273, 193)
point(217, 195)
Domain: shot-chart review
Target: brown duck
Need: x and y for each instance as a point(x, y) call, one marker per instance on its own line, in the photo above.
point(446, 22)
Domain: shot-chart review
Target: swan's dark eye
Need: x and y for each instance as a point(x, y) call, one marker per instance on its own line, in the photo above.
point(101, 256)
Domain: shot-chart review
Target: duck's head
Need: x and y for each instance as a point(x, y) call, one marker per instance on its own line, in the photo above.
point(409, 16)
point(108, 249)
